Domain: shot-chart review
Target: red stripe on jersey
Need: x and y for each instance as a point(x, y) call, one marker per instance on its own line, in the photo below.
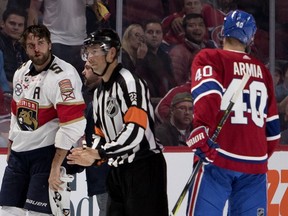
point(13, 107)
point(137, 116)
point(69, 112)
point(46, 114)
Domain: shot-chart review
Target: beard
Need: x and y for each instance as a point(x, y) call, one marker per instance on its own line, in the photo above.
point(40, 59)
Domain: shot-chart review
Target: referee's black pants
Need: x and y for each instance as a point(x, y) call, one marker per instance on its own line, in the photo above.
point(139, 188)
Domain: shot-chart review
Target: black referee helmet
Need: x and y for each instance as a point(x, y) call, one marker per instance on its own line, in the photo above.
point(106, 38)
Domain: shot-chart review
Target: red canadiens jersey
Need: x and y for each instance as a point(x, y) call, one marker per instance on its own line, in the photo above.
point(47, 107)
point(251, 132)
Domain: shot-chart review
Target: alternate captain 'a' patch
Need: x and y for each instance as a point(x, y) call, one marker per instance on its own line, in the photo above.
point(27, 115)
point(67, 91)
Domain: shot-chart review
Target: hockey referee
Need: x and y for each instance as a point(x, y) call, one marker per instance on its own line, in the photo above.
point(124, 133)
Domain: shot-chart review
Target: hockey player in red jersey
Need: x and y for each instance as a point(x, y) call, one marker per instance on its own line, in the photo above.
point(235, 167)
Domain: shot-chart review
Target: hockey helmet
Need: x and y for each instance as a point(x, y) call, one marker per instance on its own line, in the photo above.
point(240, 25)
point(106, 38)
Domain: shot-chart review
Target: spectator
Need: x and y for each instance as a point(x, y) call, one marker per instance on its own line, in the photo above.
point(213, 18)
point(3, 79)
point(182, 54)
point(284, 137)
point(134, 47)
point(97, 16)
point(277, 74)
point(5, 107)
point(124, 121)
point(14, 21)
point(176, 131)
point(173, 24)
point(95, 175)
point(281, 92)
point(5, 110)
point(214, 14)
point(162, 109)
point(156, 68)
point(66, 20)
point(47, 119)
point(281, 89)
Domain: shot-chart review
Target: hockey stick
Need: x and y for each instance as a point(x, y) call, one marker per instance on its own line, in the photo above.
point(225, 116)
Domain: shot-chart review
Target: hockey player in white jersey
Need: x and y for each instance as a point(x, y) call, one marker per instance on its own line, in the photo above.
point(47, 119)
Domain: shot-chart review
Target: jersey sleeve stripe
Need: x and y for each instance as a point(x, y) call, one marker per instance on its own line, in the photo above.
point(273, 138)
point(46, 114)
point(272, 128)
point(206, 87)
point(137, 116)
point(70, 112)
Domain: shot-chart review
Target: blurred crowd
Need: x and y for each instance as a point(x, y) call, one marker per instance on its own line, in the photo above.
point(160, 39)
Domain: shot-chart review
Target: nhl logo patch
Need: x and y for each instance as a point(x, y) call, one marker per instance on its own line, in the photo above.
point(111, 107)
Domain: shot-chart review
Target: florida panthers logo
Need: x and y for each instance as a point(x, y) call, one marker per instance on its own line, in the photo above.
point(26, 120)
point(112, 107)
point(27, 115)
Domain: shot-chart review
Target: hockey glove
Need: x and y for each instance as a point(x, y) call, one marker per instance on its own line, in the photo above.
point(202, 145)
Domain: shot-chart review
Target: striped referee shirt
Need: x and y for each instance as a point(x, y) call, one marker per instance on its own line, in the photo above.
point(124, 118)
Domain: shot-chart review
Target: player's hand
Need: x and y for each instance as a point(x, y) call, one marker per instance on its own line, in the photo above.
point(83, 156)
point(54, 179)
point(202, 145)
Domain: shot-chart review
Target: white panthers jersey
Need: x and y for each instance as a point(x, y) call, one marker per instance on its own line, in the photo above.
point(47, 107)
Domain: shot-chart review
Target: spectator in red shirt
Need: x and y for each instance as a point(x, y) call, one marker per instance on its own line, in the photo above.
point(213, 18)
point(182, 54)
point(172, 24)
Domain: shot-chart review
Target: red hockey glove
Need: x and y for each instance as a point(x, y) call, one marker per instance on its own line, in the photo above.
point(202, 145)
